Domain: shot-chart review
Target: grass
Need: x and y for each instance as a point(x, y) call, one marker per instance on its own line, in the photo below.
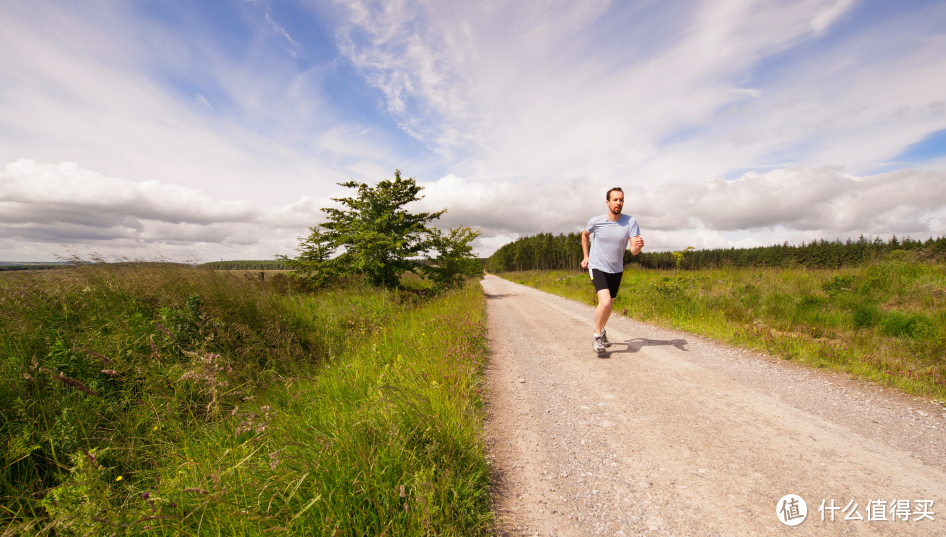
point(885, 321)
point(154, 398)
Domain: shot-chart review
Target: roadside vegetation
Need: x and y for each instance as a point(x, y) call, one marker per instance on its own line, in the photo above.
point(159, 398)
point(883, 320)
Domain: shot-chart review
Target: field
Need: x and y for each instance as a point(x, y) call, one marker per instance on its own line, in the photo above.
point(160, 399)
point(884, 321)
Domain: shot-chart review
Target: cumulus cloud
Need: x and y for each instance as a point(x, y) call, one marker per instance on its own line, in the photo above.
point(33, 192)
point(789, 204)
point(66, 204)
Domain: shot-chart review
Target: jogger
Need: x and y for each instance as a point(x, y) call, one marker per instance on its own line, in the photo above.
point(612, 232)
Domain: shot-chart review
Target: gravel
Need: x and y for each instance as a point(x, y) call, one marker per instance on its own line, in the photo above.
point(674, 434)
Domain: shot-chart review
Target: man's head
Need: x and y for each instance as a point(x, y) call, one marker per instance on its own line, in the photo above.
point(615, 200)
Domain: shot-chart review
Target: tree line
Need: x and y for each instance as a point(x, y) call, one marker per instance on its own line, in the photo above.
point(247, 264)
point(546, 251)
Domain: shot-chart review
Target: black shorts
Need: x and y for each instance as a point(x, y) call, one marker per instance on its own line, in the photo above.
point(606, 280)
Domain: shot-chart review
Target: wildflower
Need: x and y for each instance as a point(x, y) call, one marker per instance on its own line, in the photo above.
point(145, 495)
point(119, 478)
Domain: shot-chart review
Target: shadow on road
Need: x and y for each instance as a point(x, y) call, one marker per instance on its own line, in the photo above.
point(636, 344)
point(491, 296)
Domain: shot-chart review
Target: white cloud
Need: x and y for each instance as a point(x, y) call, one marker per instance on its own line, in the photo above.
point(830, 14)
point(67, 204)
point(653, 92)
point(45, 205)
point(528, 112)
point(66, 193)
point(97, 85)
point(789, 204)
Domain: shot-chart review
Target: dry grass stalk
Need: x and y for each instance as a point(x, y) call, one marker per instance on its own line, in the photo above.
point(165, 330)
point(70, 382)
point(102, 358)
point(154, 351)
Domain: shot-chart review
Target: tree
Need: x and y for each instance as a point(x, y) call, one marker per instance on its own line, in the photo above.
point(451, 257)
point(315, 252)
point(678, 256)
point(377, 236)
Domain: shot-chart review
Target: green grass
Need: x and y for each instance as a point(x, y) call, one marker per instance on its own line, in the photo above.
point(885, 322)
point(258, 408)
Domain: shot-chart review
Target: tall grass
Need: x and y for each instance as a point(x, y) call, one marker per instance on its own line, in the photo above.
point(153, 397)
point(884, 321)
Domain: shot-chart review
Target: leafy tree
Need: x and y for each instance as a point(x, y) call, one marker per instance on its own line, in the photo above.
point(678, 256)
point(380, 239)
point(451, 257)
point(314, 253)
point(378, 234)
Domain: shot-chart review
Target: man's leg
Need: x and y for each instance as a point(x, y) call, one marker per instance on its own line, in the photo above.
point(603, 311)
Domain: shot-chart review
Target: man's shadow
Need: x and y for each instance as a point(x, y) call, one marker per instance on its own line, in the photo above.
point(636, 344)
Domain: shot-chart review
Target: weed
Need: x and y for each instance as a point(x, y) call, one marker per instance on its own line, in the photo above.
point(158, 398)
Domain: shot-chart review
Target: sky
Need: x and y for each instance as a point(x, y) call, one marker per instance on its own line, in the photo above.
point(219, 129)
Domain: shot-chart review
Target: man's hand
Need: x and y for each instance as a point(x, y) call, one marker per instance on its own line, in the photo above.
point(637, 244)
point(584, 263)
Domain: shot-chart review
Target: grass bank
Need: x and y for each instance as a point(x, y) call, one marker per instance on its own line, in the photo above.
point(884, 321)
point(149, 398)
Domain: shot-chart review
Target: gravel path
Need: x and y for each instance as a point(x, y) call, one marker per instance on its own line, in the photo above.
point(674, 434)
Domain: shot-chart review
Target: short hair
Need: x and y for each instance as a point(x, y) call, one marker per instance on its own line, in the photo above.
point(608, 196)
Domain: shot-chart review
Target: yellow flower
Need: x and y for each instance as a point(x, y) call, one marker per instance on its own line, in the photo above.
point(119, 478)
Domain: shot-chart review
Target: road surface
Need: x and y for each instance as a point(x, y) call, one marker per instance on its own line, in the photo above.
point(674, 434)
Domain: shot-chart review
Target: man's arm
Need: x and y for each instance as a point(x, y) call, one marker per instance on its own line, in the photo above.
point(636, 244)
point(584, 247)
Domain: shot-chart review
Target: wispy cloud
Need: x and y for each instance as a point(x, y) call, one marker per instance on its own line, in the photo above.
point(282, 32)
point(520, 91)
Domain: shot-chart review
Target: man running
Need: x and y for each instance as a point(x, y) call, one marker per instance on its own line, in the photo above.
point(613, 232)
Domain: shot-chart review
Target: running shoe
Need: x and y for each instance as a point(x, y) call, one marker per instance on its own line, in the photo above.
point(604, 338)
point(598, 345)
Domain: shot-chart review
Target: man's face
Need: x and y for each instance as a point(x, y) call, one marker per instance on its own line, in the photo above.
point(616, 202)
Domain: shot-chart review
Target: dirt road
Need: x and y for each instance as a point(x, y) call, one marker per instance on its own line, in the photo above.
point(672, 434)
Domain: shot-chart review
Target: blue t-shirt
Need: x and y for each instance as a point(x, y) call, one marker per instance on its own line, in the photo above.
point(609, 239)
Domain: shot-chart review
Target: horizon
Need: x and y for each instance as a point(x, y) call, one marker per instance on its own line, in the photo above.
point(849, 240)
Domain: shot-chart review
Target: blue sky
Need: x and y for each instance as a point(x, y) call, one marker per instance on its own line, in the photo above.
point(219, 129)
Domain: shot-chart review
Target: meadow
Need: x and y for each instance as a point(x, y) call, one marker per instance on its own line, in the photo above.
point(162, 399)
point(884, 321)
